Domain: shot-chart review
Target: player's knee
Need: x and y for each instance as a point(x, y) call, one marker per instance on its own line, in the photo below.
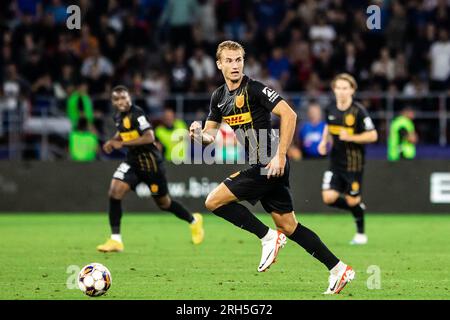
point(212, 203)
point(115, 193)
point(287, 227)
point(163, 204)
point(353, 201)
point(328, 199)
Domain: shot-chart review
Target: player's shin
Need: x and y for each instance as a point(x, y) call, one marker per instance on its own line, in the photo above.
point(241, 217)
point(311, 242)
point(115, 215)
point(358, 214)
point(181, 212)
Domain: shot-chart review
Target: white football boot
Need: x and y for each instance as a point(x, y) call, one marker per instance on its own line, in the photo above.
point(271, 244)
point(359, 239)
point(337, 280)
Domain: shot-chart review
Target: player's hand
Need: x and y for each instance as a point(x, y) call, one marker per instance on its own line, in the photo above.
point(116, 144)
point(276, 166)
point(322, 148)
point(195, 131)
point(107, 147)
point(344, 136)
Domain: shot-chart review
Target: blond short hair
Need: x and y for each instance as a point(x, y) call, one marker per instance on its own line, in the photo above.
point(230, 45)
point(347, 77)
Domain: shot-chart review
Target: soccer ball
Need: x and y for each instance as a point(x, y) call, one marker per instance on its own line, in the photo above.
point(94, 279)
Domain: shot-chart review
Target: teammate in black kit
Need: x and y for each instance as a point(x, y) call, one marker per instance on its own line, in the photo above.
point(144, 166)
point(246, 105)
point(350, 127)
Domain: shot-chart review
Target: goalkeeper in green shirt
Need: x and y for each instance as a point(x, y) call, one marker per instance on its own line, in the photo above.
point(402, 136)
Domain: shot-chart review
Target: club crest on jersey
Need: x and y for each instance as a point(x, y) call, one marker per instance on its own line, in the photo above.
point(240, 101)
point(126, 123)
point(349, 119)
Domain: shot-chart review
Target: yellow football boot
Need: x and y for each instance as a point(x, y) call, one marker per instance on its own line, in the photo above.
point(111, 246)
point(198, 234)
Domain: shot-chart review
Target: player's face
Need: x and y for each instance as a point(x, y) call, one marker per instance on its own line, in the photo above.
point(343, 90)
point(231, 64)
point(121, 100)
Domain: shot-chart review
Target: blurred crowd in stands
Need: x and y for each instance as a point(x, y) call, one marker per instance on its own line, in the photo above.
point(162, 47)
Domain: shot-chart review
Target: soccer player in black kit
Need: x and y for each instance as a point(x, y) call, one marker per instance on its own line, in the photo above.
point(246, 105)
point(144, 164)
point(350, 127)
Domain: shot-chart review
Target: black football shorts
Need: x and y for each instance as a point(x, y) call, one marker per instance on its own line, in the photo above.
point(345, 182)
point(132, 175)
point(252, 185)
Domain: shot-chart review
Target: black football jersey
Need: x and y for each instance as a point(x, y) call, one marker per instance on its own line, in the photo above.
point(247, 110)
point(347, 156)
point(132, 125)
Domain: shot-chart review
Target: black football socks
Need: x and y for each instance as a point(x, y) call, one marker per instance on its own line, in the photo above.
point(115, 214)
point(241, 217)
point(358, 214)
point(181, 212)
point(311, 242)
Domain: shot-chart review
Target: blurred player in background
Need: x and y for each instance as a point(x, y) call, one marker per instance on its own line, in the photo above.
point(246, 105)
point(144, 164)
point(350, 127)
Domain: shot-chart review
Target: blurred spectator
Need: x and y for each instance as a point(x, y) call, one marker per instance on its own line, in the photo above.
point(252, 67)
point(180, 72)
point(279, 65)
point(402, 136)
point(86, 44)
point(322, 35)
point(203, 69)
point(65, 84)
point(14, 87)
point(179, 15)
point(310, 134)
point(83, 142)
point(58, 10)
point(156, 88)
point(397, 27)
point(171, 133)
point(440, 62)
point(79, 105)
point(97, 70)
point(415, 87)
point(206, 20)
point(383, 69)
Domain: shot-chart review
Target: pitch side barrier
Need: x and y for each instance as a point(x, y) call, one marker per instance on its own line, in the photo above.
point(419, 186)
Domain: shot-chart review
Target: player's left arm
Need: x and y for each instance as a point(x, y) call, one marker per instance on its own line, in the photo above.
point(365, 130)
point(365, 137)
point(147, 137)
point(288, 122)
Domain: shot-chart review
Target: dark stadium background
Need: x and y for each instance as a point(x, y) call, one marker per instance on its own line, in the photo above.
point(150, 49)
point(53, 210)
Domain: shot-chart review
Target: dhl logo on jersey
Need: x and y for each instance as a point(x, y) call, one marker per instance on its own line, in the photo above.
point(336, 129)
point(130, 135)
point(238, 119)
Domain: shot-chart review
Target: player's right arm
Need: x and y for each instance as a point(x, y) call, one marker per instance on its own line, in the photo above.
point(112, 143)
point(212, 125)
point(322, 148)
point(205, 136)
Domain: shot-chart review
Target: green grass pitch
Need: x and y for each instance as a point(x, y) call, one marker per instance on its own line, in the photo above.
point(39, 253)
